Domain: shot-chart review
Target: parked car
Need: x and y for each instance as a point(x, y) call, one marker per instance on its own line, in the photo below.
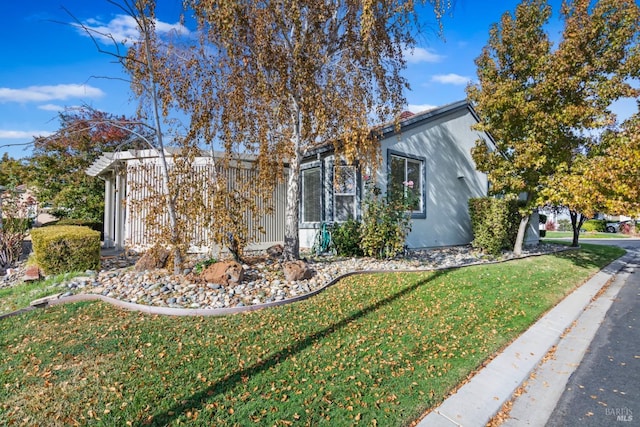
point(612, 227)
point(616, 227)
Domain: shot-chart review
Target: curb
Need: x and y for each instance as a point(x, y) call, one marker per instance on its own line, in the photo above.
point(479, 400)
point(544, 389)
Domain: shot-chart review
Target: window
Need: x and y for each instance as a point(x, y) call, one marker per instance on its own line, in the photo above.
point(311, 195)
point(344, 193)
point(406, 175)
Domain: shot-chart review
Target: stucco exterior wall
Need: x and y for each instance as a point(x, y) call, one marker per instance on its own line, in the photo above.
point(451, 177)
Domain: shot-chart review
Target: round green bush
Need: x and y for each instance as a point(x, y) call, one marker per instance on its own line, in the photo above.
point(594, 225)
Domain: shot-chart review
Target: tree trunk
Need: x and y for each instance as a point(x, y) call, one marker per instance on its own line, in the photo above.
point(166, 185)
point(291, 249)
point(291, 231)
point(577, 219)
point(522, 229)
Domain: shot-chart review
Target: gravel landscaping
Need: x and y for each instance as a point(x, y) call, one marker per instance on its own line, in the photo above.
point(263, 278)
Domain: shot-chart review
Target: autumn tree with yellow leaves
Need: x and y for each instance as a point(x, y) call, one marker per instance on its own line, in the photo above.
point(539, 102)
point(603, 178)
point(271, 80)
point(277, 78)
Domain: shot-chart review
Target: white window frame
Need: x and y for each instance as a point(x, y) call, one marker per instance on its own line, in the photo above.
point(421, 212)
point(303, 212)
point(342, 190)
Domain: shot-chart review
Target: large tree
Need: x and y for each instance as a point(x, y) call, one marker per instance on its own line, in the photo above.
point(595, 60)
point(617, 169)
point(539, 102)
point(169, 75)
point(12, 172)
point(58, 162)
point(277, 78)
point(603, 178)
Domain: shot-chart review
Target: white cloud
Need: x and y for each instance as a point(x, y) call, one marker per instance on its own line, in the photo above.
point(451, 79)
point(420, 54)
point(123, 29)
point(51, 107)
point(20, 134)
point(49, 93)
point(418, 108)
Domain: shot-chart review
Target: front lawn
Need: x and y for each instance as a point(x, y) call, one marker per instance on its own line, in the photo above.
point(19, 296)
point(371, 350)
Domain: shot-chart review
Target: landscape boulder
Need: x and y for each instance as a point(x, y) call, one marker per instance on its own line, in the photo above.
point(275, 251)
point(296, 270)
point(224, 273)
point(32, 273)
point(156, 257)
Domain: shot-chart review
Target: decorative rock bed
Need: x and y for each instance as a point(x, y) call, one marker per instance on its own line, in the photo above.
point(263, 281)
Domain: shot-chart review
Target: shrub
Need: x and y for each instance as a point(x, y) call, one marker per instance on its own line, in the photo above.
point(15, 211)
point(346, 238)
point(564, 225)
point(386, 221)
point(17, 225)
point(494, 223)
point(595, 225)
point(550, 226)
point(94, 225)
point(627, 228)
point(202, 265)
point(10, 247)
point(66, 248)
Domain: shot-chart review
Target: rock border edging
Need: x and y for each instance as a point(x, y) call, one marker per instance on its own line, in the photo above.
point(225, 311)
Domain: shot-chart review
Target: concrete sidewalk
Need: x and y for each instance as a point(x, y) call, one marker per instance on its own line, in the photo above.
point(478, 401)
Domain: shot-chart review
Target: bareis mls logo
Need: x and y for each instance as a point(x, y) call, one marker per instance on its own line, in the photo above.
point(621, 414)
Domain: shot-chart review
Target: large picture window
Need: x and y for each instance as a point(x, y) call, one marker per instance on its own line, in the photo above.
point(311, 195)
point(406, 179)
point(344, 193)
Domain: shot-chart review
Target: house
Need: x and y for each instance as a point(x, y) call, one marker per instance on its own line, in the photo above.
point(132, 178)
point(18, 202)
point(431, 149)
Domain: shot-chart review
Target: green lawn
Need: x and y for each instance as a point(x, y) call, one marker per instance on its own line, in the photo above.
point(20, 296)
point(371, 350)
point(589, 235)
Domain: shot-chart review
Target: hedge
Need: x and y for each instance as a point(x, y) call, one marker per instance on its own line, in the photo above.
point(595, 225)
point(494, 223)
point(66, 248)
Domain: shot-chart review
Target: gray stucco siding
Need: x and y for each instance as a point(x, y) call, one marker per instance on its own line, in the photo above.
point(451, 177)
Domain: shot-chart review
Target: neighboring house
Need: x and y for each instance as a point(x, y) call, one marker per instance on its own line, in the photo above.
point(432, 149)
point(24, 205)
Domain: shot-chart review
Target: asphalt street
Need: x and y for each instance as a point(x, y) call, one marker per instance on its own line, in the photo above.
point(605, 388)
point(593, 376)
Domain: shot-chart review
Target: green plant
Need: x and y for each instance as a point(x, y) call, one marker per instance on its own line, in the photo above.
point(346, 238)
point(66, 248)
point(386, 221)
point(494, 223)
point(202, 265)
point(564, 225)
point(595, 225)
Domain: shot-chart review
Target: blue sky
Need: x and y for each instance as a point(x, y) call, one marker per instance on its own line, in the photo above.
point(47, 64)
